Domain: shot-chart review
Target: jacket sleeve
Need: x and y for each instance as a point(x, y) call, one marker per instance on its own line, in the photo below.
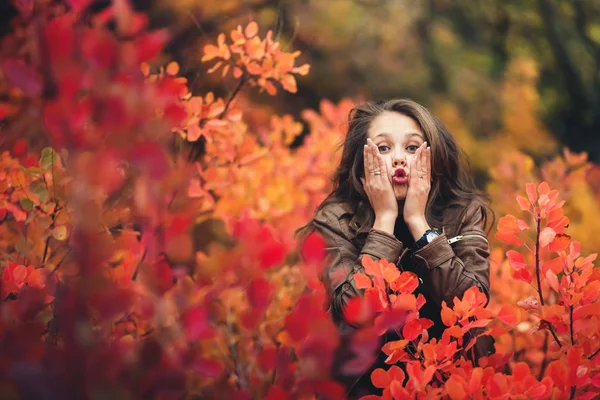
point(344, 259)
point(453, 269)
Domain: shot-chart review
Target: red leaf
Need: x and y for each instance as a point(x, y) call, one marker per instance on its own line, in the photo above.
point(149, 45)
point(79, 5)
point(195, 322)
point(207, 368)
point(60, 38)
point(23, 77)
point(277, 393)
point(516, 260)
point(296, 326)
point(414, 328)
point(358, 310)
point(522, 275)
point(507, 315)
point(259, 293)
point(100, 48)
point(267, 359)
point(313, 248)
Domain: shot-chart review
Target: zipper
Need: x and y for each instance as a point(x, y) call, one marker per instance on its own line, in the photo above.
point(461, 237)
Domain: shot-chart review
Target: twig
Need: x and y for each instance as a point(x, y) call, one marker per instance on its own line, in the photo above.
point(545, 360)
point(553, 334)
point(571, 325)
point(594, 354)
point(537, 259)
point(573, 389)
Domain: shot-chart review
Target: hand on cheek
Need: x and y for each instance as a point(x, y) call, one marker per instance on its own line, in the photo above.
point(419, 185)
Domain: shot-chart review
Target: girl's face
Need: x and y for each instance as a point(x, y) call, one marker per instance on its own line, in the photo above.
point(397, 137)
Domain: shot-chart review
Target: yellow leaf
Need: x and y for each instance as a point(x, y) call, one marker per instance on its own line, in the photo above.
point(60, 232)
point(172, 68)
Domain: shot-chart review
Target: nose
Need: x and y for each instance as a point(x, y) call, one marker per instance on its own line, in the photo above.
point(399, 160)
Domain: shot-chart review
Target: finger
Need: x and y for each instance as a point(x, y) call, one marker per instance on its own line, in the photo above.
point(374, 154)
point(414, 164)
point(428, 163)
point(384, 177)
point(370, 161)
point(422, 162)
point(366, 160)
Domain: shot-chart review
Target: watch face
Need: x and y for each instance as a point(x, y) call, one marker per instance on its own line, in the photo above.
point(431, 236)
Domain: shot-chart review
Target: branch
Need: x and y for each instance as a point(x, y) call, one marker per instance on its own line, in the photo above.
point(545, 360)
point(537, 257)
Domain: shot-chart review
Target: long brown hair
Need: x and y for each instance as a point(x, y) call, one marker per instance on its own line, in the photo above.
point(452, 181)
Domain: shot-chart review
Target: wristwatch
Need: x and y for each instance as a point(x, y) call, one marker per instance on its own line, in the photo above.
point(427, 238)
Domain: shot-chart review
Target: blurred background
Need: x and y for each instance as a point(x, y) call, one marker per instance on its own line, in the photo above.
point(502, 74)
point(526, 71)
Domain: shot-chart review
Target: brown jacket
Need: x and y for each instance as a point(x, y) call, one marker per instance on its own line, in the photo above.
point(447, 267)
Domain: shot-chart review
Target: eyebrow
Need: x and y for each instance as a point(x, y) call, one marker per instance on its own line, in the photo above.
point(410, 135)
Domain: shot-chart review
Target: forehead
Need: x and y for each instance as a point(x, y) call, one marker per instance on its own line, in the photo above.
point(394, 124)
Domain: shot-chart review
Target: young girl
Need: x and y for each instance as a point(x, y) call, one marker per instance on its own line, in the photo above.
point(403, 192)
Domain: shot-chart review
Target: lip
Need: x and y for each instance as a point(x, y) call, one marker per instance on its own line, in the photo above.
point(400, 180)
point(400, 176)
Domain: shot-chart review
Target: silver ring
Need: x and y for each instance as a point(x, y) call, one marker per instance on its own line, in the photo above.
point(377, 173)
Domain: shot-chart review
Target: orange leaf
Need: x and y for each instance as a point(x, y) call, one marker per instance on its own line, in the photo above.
point(362, 281)
point(251, 30)
point(509, 238)
point(552, 280)
point(172, 68)
point(523, 203)
point(531, 192)
point(455, 331)
point(507, 315)
point(560, 242)
point(371, 265)
point(448, 315)
point(380, 378)
point(406, 282)
point(455, 387)
point(405, 301)
point(555, 265)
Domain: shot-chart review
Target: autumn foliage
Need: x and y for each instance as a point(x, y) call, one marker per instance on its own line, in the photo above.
point(147, 237)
